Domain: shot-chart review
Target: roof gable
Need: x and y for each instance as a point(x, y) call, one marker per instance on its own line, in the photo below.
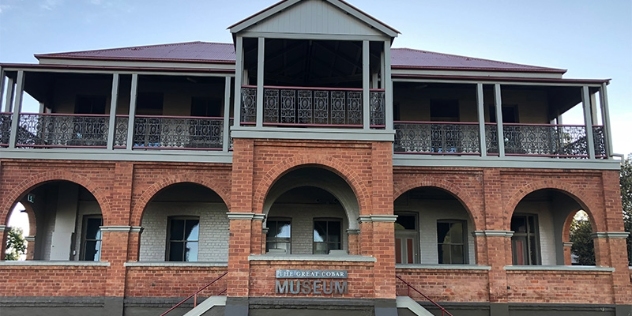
point(314, 17)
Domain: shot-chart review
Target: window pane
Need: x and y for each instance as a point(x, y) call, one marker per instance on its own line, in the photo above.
point(519, 248)
point(518, 224)
point(191, 253)
point(320, 231)
point(406, 221)
point(531, 223)
point(533, 251)
point(192, 229)
point(176, 251)
point(442, 233)
point(283, 229)
point(320, 248)
point(92, 250)
point(92, 229)
point(334, 231)
point(457, 255)
point(177, 229)
point(456, 233)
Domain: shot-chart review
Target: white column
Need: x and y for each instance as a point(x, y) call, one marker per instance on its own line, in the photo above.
point(113, 102)
point(8, 102)
point(239, 67)
point(17, 108)
point(65, 218)
point(226, 131)
point(590, 142)
point(481, 119)
point(605, 115)
point(388, 87)
point(499, 120)
point(132, 112)
point(260, 69)
point(1, 86)
point(593, 108)
point(366, 99)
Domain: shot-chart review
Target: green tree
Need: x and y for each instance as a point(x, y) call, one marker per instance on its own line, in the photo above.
point(16, 245)
point(583, 244)
point(626, 199)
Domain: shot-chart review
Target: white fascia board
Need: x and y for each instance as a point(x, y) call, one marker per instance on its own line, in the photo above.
point(118, 155)
point(474, 73)
point(411, 160)
point(138, 64)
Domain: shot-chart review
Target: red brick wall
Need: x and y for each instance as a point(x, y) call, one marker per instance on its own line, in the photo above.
point(445, 285)
point(173, 281)
point(568, 287)
point(52, 280)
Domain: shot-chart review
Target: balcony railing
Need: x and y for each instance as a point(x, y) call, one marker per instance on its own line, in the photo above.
point(43, 130)
point(545, 140)
point(312, 107)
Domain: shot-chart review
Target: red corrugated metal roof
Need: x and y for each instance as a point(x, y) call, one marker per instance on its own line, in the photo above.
point(205, 52)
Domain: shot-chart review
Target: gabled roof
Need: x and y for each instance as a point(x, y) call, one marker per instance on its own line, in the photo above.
point(284, 5)
point(177, 52)
point(406, 58)
point(205, 52)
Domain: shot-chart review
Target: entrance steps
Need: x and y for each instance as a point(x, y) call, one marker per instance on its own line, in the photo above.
point(405, 302)
point(207, 305)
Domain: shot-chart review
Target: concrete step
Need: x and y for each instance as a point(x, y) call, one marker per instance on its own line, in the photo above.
point(412, 305)
point(207, 305)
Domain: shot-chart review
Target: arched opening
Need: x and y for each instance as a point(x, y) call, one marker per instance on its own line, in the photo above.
point(185, 222)
point(309, 211)
point(540, 225)
point(68, 220)
point(579, 246)
point(432, 227)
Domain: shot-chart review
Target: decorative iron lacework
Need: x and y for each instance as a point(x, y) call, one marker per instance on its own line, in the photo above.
point(5, 129)
point(44, 130)
point(354, 107)
point(377, 108)
point(437, 138)
point(546, 140)
point(271, 106)
point(120, 131)
point(600, 141)
point(175, 132)
point(249, 105)
point(491, 138)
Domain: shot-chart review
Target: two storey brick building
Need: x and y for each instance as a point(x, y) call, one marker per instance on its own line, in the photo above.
point(307, 167)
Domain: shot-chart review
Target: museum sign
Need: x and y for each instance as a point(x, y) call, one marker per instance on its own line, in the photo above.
point(316, 282)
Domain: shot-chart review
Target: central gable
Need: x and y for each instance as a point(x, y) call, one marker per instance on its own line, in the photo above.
point(315, 17)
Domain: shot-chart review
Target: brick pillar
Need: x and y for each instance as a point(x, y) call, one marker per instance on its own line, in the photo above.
point(497, 240)
point(568, 259)
point(4, 232)
point(264, 235)
point(30, 247)
point(353, 241)
point(133, 248)
point(480, 243)
point(384, 252)
point(257, 241)
point(366, 235)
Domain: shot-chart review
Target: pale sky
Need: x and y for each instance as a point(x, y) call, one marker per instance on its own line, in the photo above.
point(592, 39)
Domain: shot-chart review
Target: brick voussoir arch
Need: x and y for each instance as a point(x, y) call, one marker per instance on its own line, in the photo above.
point(462, 195)
point(141, 202)
point(334, 165)
point(99, 193)
point(573, 191)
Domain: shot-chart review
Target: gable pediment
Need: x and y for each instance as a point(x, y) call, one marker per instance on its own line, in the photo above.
point(314, 17)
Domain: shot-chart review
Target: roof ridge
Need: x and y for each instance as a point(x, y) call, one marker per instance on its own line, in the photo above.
point(123, 48)
point(477, 58)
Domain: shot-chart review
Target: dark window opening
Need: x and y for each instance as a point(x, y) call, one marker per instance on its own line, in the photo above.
point(444, 110)
point(451, 242)
point(525, 244)
point(278, 238)
point(406, 222)
point(327, 235)
point(183, 239)
point(149, 103)
point(510, 114)
point(91, 244)
point(90, 104)
point(207, 107)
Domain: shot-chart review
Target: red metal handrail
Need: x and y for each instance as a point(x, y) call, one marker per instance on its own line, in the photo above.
point(194, 295)
point(410, 286)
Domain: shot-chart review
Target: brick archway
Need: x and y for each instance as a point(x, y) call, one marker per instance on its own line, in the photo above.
point(334, 165)
point(588, 205)
point(16, 193)
point(468, 202)
point(141, 202)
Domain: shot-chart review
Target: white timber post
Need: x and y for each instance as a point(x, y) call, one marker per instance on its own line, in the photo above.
point(17, 108)
point(113, 102)
point(388, 87)
point(260, 69)
point(605, 116)
point(132, 112)
point(366, 78)
point(226, 130)
point(499, 120)
point(8, 102)
point(590, 141)
point(239, 68)
point(481, 119)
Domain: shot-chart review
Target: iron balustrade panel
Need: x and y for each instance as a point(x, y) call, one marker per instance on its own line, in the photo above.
point(120, 131)
point(436, 138)
point(248, 105)
point(54, 130)
point(491, 138)
point(546, 140)
point(5, 129)
point(377, 99)
point(599, 138)
point(155, 132)
point(316, 107)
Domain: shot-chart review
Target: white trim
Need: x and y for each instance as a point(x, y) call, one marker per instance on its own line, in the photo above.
point(495, 80)
point(313, 133)
point(318, 258)
point(119, 155)
point(443, 267)
point(493, 233)
point(315, 37)
point(175, 264)
point(232, 216)
point(588, 122)
point(366, 78)
point(239, 69)
point(383, 218)
point(261, 47)
point(411, 160)
point(259, 217)
point(206, 66)
point(610, 235)
point(480, 106)
point(476, 73)
point(559, 268)
point(113, 103)
point(353, 231)
point(132, 112)
point(124, 229)
point(498, 102)
point(226, 128)
point(136, 229)
point(56, 263)
point(388, 86)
